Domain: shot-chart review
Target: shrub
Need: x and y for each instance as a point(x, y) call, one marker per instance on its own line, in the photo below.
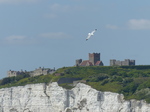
point(104, 82)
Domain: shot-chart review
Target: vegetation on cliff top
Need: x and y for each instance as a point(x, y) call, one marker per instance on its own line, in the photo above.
point(132, 81)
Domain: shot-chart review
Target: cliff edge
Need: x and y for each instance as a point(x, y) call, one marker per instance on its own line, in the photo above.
point(53, 98)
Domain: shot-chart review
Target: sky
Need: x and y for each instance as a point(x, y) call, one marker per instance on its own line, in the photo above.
point(52, 33)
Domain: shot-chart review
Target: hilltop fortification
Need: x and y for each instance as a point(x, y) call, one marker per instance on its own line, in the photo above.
point(36, 72)
point(94, 60)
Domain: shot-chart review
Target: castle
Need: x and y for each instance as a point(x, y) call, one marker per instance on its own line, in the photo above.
point(36, 72)
point(43, 71)
point(94, 60)
point(11, 73)
point(126, 62)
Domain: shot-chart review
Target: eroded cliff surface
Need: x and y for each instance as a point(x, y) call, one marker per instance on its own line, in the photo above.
point(52, 98)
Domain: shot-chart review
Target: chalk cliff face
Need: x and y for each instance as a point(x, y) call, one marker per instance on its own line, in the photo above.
point(52, 98)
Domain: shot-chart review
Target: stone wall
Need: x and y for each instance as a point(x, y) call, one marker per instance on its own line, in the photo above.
point(36, 72)
point(126, 62)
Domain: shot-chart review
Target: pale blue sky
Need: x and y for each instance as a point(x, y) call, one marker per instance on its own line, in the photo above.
point(52, 33)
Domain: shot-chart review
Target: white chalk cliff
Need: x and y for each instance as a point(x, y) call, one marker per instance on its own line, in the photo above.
point(52, 98)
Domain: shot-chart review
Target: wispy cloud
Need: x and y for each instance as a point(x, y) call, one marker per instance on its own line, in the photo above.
point(55, 35)
point(56, 9)
point(25, 40)
point(111, 26)
point(51, 15)
point(68, 8)
point(14, 38)
point(18, 1)
point(140, 24)
point(59, 7)
point(18, 39)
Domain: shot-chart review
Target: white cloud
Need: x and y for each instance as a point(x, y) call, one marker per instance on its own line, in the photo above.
point(51, 16)
point(58, 7)
point(24, 40)
point(18, 39)
point(56, 35)
point(15, 38)
point(55, 10)
point(141, 24)
point(111, 26)
point(68, 8)
point(18, 1)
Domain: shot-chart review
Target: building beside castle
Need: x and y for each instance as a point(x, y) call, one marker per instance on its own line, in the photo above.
point(94, 60)
point(36, 72)
point(126, 62)
point(11, 73)
point(42, 71)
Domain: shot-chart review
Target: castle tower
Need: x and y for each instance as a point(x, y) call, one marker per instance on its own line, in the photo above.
point(132, 62)
point(78, 61)
point(112, 62)
point(94, 57)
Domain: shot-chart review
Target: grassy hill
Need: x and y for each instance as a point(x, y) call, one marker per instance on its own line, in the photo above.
point(132, 81)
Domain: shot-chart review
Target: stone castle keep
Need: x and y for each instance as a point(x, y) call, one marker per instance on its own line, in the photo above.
point(94, 60)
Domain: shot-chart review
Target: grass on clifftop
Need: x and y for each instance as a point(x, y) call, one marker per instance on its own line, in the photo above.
point(132, 81)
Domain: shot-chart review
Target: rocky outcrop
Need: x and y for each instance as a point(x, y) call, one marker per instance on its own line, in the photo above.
point(52, 98)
